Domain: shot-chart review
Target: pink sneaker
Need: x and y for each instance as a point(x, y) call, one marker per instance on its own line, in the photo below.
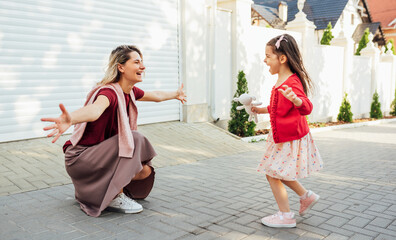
point(280, 220)
point(307, 203)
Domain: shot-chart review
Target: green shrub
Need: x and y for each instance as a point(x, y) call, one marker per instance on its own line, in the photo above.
point(239, 124)
point(345, 113)
point(363, 41)
point(375, 107)
point(392, 48)
point(393, 106)
point(327, 35)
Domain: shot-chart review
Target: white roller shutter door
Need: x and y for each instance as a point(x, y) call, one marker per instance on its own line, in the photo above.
point(54, 51)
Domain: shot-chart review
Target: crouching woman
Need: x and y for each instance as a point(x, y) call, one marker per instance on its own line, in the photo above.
point(108, 161)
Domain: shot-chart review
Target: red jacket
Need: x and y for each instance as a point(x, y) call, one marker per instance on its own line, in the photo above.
point(288, 122)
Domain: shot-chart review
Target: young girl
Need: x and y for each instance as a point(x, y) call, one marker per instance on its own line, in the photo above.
point(108, 161)
point(290, 152)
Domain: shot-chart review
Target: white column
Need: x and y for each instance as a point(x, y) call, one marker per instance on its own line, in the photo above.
point(374, 53)
point(241, 24)
point(348, 44)
point(194, 59)
point(389, 57)
point(305, 27)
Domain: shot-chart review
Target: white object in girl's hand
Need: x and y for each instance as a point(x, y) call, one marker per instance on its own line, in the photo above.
point(248, 103)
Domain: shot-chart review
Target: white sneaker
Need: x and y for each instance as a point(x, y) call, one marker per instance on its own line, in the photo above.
point(124, 204)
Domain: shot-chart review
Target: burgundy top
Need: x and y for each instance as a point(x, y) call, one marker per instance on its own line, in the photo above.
point(106, 125)
point(288, 122)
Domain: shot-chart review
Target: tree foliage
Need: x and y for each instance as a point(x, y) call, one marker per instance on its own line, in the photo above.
point(392, 48)
point(375, 107)
point(393, 106)
point(239, 124)
point(327, 35)
point(345, 113)
point(363, 41)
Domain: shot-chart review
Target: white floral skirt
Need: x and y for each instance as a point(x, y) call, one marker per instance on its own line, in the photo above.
point(290, 160)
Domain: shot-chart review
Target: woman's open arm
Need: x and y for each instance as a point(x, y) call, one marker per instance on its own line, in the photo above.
point(159, 96)
point(87, 113)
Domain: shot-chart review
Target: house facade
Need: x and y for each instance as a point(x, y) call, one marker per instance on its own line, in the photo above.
point(385, 14)
point(348, 16)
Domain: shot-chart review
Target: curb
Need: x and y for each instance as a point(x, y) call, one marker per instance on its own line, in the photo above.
point(253, 139)
point(323, 129)
point(225, 131)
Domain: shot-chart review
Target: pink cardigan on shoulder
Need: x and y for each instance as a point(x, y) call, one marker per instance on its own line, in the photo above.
point(126, 143)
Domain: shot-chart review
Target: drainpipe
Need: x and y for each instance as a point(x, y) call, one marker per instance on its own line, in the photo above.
point(211, 67)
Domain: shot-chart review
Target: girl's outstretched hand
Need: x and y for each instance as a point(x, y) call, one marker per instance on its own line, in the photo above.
point(61, 123)
point(259, 110)
point(181, 96)
point(290, 95)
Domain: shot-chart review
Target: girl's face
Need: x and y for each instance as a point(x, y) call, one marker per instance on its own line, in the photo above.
point(272, 60)
point(133, 69)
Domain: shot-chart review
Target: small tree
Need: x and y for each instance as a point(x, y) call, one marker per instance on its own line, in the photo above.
point(392, 48)
point(327, 35)
point(239, 123)
point(363, 41)
point(375, 107)
point(393, 106)
point(345, 113)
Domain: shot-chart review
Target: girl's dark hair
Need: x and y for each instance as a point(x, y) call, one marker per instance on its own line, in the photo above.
point(288, 47)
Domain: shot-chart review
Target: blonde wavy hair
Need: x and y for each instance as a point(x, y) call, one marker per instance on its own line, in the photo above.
point(120, 55)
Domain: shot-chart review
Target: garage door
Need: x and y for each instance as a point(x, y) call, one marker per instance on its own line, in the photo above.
point(54, 51)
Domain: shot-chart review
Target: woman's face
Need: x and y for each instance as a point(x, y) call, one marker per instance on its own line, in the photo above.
point(133, 69)
point(272, 60)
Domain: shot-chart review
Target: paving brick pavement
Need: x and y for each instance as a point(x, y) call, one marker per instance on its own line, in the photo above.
point(222, 197)
point(37, 164)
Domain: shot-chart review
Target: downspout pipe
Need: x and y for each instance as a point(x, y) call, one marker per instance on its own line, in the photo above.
point(211, 54)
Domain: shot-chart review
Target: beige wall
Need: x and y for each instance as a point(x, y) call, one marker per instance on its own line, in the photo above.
point(194, 59)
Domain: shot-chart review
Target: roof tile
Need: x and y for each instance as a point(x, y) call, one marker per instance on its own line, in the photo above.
point(383, 11)
point(321, 12)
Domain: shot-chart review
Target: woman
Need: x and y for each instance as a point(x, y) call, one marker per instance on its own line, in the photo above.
point(108, 161)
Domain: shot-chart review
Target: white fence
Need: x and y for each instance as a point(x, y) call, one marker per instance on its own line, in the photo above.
point(359, 86)
point(325, 65)
point(257, 72)
point(384, 85)
point(325, 68)
point(333, 69)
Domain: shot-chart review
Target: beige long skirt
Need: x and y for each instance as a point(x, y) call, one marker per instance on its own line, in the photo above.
point(98, 173)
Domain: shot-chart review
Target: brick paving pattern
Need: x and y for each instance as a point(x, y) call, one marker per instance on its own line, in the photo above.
point(37, 164)
point(207, 188)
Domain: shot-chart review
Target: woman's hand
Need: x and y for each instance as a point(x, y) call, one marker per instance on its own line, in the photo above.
point(290, 95)
point(88, 113)
point(180, 95)
point(61, 123)
point(159, 96)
